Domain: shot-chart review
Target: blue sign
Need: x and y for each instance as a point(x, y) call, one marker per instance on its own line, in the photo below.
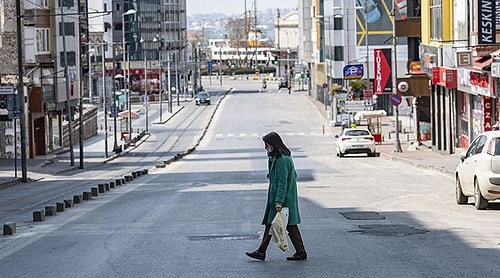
point(353, 71)
point(396, 99)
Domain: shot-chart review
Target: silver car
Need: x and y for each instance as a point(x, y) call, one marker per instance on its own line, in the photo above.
point(355, 141)
point(478, 174)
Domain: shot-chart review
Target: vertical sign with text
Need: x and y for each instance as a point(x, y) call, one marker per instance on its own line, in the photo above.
point(382, 71)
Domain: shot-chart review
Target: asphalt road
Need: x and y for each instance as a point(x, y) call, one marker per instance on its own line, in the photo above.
point(361, 216)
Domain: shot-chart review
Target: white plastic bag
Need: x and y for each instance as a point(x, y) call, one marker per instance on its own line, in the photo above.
point(278, 229)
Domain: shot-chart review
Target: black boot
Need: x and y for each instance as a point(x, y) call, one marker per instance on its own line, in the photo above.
point(260, 254)
point(298, 244)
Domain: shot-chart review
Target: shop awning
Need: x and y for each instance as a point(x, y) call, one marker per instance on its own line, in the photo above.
point(363, 115)
point(482, 62)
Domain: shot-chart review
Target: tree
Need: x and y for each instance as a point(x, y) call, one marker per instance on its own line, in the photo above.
point(237, 35)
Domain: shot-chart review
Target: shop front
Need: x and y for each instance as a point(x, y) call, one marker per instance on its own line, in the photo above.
point(476, 104)
point(443, 103)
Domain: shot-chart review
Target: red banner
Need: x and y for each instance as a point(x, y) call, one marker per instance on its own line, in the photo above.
point(382, 69)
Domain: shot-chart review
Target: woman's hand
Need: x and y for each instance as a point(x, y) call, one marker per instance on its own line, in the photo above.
point(278, 208)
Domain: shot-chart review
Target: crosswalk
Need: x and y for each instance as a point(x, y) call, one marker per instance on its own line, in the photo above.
point(287, 134)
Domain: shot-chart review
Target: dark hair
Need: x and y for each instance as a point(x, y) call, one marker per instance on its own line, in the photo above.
point(279, 148)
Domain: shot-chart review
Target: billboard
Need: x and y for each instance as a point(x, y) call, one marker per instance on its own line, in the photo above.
point(486, 14)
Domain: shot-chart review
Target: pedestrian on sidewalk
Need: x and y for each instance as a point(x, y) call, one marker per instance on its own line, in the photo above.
point(282, 192)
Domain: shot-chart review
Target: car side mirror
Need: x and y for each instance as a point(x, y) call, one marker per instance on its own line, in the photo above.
point(336, 136)
point(462, 156)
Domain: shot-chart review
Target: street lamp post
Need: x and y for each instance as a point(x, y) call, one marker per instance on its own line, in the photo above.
point(127, 80)
point(104, 97)
point(90, 53)
point(160, 91)
point(220, 66)
point(368, 83)
point(146, 96)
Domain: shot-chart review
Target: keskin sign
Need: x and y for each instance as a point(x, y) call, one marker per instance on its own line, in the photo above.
point(486, 21)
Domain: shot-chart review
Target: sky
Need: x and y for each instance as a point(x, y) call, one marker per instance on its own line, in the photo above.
point(233, 7)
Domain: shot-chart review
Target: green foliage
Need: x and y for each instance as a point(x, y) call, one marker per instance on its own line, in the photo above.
point(358, 85)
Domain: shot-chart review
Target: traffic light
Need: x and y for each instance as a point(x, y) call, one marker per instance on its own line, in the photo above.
point(308, 76)
point(275, 60)
point(182, 77)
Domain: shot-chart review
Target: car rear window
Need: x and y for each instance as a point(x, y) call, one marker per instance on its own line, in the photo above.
point(357, 133)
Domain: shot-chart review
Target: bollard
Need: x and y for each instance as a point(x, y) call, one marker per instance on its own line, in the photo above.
point(128, 178)
point(50, 210)
point(38, 216)
point(118, 181)
point(138, 173)
point(101, 187)
point(68, 203)
point(111, 184)
point(106, 186)
point(146, 171)
point(134, 175)
point(9, 229)
point(77, 199)
point(95, 191)
point(87, 196)
point(60, 207)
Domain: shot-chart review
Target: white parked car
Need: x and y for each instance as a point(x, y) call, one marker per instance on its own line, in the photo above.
point(355, 141)
point(478, 174)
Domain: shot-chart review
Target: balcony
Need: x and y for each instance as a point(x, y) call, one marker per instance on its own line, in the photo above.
point(409, 27)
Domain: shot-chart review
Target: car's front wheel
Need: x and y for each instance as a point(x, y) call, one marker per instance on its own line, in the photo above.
point(480, 201)
point(459, 194)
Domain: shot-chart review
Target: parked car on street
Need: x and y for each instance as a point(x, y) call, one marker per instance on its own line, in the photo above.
point(202, 97)
point(355, 141)
point(478, 174)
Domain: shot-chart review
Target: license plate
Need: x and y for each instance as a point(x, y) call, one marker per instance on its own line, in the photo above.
point(357, 146)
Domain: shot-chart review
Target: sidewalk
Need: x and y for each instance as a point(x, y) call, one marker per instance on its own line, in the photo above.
point(418, 156)
point(59, 161)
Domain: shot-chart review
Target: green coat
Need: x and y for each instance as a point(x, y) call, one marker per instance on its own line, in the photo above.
point(282, 189)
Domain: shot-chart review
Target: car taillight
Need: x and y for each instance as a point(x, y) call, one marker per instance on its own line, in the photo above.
point(343, 139)
point(369, 138)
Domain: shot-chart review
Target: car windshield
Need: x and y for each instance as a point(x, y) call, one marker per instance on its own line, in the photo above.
point(357, 133)
point(204, 95)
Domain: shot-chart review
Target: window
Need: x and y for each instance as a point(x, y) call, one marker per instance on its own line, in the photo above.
point(71, 58)
point(43, 3)
point(338, 53)
point(67, 3)
point(338, 23)
point(69, 29)
point(436, 20)
point(42, 40)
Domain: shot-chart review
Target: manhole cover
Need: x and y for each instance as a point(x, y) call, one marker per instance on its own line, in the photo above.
point(388, 230)
point(362, 215)
point(223, 237)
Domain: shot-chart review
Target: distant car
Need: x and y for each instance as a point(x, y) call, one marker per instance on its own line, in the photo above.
point(202, 97)
point(478, 174)
point(372, 11)
point(283, 84)
point(355, 141)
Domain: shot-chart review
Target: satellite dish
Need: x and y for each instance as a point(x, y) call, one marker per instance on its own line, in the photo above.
point(403, 86)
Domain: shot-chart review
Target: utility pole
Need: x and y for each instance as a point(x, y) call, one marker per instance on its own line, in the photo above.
point(68, 95)
point(20, 91)
point(397, 146)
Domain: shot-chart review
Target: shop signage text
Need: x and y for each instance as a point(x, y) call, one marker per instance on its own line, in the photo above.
point(487, 113)
point(383, 71)
point(486, 20)
point(474, 82)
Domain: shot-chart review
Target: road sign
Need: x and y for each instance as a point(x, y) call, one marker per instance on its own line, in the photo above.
point(357, 105)
point(396, 99)
point(353, 71)
point(325, 85)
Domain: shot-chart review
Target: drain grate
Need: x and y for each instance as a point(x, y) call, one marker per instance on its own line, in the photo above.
point(362, 215)
point(223, 237)
point(388, 230)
